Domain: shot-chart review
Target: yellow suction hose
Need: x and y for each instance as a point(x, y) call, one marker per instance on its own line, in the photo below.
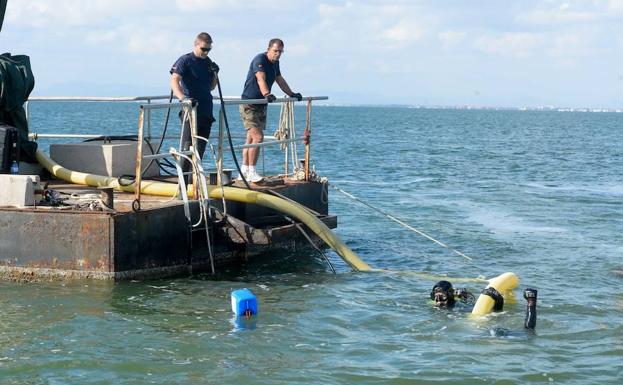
point(292, 209)
point(229, 193)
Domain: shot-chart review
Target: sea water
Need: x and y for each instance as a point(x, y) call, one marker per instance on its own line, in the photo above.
point(537, 193)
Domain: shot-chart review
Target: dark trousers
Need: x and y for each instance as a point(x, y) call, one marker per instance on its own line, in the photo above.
point(204, 126)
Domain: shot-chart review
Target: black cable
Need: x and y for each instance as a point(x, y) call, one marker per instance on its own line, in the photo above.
point(231, 144)
point(109, 138)
point(164, 133)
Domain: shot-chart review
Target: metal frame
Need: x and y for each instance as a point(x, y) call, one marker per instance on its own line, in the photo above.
point(145, 116)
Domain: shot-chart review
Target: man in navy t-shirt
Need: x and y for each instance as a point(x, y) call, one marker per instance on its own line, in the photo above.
point(263, 72)
point(193, 76)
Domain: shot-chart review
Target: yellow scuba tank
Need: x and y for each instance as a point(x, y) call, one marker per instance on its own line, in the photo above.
point(503, 285)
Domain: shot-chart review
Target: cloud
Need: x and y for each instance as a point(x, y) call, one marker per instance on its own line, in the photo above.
point(63, 13)
point(229, 5)
point(199, 5)
point(403, 32)
point(510, 44)
point(369, 25)
point(450, 39)
point(567, 13)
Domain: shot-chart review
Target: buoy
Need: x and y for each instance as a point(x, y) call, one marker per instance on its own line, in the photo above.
point(243, 303)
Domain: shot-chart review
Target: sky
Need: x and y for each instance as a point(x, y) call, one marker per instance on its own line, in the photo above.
point(429, 53)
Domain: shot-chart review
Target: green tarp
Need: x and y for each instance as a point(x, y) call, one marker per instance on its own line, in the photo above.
point(16, 83)
point(2, 9)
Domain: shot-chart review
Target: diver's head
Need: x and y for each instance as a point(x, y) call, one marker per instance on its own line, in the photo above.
point(443, 294)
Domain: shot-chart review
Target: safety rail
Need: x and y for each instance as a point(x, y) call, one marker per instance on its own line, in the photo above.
point(145, 116)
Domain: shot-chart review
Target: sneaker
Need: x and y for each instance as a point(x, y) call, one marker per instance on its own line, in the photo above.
point(253, 176)
point(239, 177)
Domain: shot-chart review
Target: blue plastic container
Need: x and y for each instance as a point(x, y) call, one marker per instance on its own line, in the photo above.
point(243, 302)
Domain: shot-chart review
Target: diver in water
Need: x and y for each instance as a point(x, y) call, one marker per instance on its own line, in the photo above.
point(445, 296)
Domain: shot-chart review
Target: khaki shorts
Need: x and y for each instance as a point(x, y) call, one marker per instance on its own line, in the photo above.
point(253, 116)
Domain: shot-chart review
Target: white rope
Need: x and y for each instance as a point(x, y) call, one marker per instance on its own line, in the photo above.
point(287, 130)
point(202, 192)
point(393, 218)
point(180, 181)
point(219, 170)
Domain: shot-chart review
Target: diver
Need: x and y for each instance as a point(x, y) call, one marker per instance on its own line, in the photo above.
point(446, 296)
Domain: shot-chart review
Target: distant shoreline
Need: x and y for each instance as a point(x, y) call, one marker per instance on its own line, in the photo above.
point(413, 106)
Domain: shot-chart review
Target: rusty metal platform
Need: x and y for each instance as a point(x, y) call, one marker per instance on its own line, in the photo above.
point(43, 243)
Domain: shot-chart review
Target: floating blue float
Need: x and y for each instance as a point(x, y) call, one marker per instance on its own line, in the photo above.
point(243, 302)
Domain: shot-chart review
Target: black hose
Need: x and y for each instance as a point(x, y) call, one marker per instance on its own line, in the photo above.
point(110, 138)
point(164, 133)
point(161, 164)
point(231, 144)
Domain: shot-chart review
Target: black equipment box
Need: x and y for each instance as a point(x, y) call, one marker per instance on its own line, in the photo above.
point(9, 138)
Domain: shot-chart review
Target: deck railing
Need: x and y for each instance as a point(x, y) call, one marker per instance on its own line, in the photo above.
point(146, 118)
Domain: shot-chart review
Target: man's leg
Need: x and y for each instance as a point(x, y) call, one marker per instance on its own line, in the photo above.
point(185, 142)
point(254, 121)
point(254, 136)
point(204, 126)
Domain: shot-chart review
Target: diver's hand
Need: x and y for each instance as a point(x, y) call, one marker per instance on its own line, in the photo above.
point(214, 67)
point(297, 96)
point(270, 98)
point(530, 295)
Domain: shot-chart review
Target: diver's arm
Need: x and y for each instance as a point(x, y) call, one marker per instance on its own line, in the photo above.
point(530, 296)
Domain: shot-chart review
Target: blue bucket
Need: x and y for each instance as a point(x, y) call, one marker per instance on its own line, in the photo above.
point(243, 302)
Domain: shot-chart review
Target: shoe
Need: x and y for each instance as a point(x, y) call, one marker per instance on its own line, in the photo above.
point(253, 176)
point(239, 177)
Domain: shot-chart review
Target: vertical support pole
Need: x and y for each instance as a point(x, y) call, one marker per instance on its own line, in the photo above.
point(149, 121)
point(193, 138)
point(307, 135)
point(219, 155)
point(139, 159)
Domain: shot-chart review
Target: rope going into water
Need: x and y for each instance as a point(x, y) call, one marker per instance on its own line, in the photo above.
point(402, 223)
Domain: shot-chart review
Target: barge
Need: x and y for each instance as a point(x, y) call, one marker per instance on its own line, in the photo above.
point(73, 223)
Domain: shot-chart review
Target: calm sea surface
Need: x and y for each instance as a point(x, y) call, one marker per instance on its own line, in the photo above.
point(536, 193)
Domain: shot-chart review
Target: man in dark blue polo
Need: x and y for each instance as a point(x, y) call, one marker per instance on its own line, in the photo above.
point(263, 72)
point(193, 76)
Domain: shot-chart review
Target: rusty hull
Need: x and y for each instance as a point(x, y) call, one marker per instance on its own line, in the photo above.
point(49, 244)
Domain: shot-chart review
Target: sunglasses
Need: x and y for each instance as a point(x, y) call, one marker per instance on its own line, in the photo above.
point(204, 49)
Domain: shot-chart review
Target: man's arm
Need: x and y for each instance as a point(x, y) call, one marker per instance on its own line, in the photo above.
point(284, 85)
point(175, 86)
point(260, 76)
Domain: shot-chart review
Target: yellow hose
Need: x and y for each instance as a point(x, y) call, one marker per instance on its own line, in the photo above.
point(239, 195)
point(297, 211)
point(229, 193)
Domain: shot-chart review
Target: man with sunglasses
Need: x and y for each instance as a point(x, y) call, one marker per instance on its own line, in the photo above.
point(263, 72)
point(193, 76)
